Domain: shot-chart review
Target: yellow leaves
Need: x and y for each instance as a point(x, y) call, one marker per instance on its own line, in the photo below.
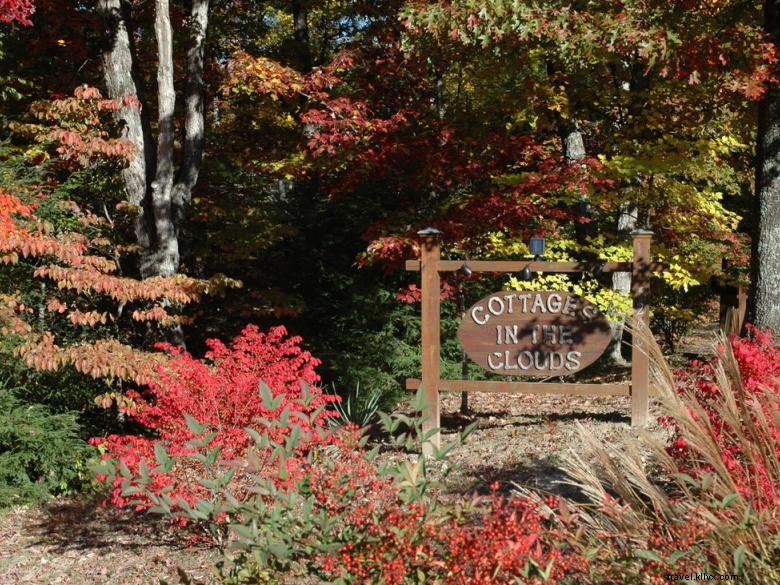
point(501, 245)
point(613, 304)
point(677, 275)
point(262, 76)
point(37, 153)
point(728, 144)
point(559, 102)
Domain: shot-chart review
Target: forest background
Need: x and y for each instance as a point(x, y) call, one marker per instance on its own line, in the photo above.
point(173, 171)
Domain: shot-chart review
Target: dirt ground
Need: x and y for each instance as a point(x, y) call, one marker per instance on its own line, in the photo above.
point(518, 440)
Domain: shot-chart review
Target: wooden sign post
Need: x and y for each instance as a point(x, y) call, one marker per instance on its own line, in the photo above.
point(431, 336)
point(640, 364)
point(533, 333)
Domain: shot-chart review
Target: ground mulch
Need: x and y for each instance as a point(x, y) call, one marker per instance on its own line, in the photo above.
point(74, 542)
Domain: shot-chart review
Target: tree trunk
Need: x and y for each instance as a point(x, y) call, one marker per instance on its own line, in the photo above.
point(300, 14)
point(621, 282)
point(764, 302)
point(573, 152)
point(164, 261)
point(194, 126)
point(118, 57)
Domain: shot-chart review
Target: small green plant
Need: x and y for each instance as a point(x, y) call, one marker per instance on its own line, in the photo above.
point(356, 409)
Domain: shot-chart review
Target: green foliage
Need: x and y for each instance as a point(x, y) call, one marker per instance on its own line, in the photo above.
point(41, 453)
point(356, 408)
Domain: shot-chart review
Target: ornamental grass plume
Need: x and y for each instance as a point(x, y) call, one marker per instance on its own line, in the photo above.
point(700, 493)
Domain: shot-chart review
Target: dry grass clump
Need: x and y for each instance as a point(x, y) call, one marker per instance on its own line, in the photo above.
point(702, 497)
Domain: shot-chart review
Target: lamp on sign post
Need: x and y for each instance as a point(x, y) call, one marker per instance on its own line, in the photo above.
point(536, 246)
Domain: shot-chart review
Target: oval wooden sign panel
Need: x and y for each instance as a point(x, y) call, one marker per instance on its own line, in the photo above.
point(523, 333)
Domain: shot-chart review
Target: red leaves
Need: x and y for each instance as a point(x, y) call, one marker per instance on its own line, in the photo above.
point(17, 11)
point(223, 394)
point(758, 358)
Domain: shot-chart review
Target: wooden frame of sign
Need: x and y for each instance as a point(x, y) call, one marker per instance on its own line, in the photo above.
point(566, 308)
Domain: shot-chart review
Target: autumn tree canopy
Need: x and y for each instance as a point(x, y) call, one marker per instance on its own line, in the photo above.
point(171, 171)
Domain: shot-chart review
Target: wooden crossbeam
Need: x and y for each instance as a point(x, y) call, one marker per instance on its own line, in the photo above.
point(496, 386)
point(547, 267)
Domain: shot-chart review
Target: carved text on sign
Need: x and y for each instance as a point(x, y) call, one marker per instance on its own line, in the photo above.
point(534, 333)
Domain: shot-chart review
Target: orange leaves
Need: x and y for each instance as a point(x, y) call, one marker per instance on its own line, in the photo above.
point(106, 358)
point(75, 125)
point(125, 404)
point(10, 322)
point(91, 318)
point(178, 289)
point(161, 316)
point(259, 75)
point(75, 274)
point(56, 306)
point(264, 76)
point(41, 353)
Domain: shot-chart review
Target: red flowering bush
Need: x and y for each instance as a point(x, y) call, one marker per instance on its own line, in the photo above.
point(747, 432)
point(220, 395)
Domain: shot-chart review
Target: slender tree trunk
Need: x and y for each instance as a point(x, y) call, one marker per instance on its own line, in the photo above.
point(118, 57)
point(165, 259)
point(638, 83)
point(300, 14)
point(621, 281)
point(764, 301)
point(573, 152)
point(194, 125)
point(161, 199)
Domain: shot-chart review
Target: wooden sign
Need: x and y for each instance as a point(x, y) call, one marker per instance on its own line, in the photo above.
point(524, 333)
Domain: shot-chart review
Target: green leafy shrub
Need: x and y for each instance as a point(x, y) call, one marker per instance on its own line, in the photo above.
point(41, 453)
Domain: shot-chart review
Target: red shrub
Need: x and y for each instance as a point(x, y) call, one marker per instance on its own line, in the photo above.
point(509, 541)
point(223, 395)
point(758, 360)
